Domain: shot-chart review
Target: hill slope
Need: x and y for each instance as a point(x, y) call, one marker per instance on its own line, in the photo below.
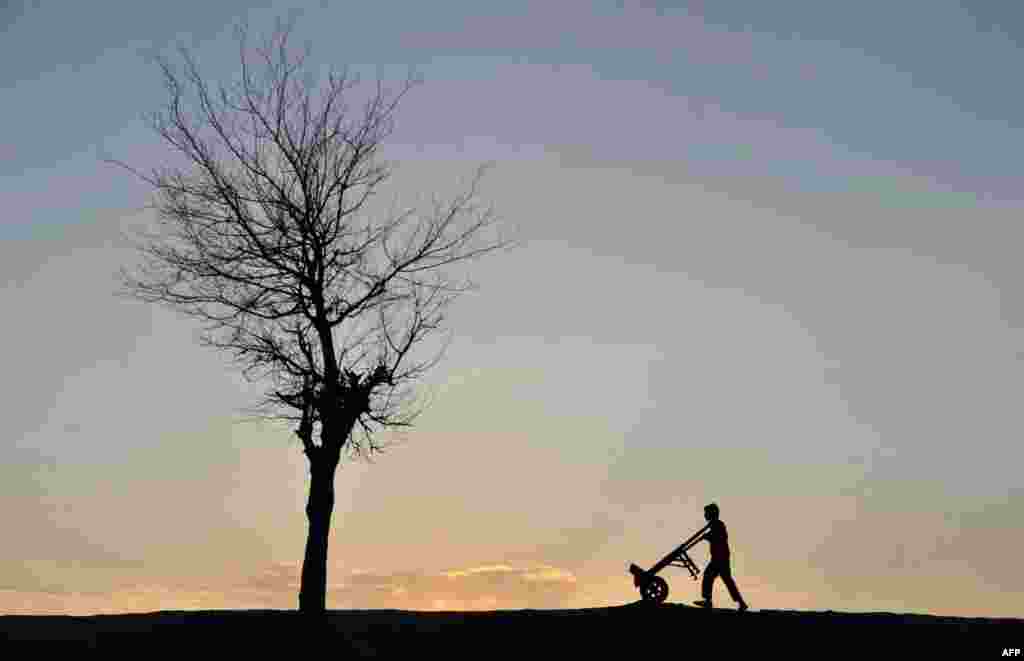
point(634, 629)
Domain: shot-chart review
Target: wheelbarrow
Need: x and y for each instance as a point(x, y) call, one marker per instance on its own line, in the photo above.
point(654, 588)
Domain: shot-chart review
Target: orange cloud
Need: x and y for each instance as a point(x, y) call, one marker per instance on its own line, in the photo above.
point(484, 587)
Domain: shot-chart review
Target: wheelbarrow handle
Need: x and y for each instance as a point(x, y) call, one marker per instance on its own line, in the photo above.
point(695, 538)
point(680, 550)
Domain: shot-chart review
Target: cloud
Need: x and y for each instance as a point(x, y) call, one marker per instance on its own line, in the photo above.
point(484, 587)
point(138, 599)
point(276, 587)
point(275, 578)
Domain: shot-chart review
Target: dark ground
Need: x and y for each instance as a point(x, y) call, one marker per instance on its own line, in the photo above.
point(635, 629)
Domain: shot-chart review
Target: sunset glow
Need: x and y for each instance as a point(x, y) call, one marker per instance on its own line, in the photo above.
point(771, 259)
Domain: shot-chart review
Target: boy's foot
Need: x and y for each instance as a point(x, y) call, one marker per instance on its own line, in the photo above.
point(742, 607)
point(703, 603)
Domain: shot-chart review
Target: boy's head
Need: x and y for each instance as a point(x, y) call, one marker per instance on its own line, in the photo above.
point(711, 512)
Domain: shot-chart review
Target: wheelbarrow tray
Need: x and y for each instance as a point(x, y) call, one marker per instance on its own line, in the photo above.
point(654, 588)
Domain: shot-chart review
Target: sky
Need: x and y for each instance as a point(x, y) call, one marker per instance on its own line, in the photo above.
point(770, 259)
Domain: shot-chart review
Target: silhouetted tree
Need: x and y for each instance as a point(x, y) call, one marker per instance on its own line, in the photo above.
point(266, 235)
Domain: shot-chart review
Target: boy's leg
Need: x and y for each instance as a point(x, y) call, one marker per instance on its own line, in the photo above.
point(707, 583)
point(734, 592)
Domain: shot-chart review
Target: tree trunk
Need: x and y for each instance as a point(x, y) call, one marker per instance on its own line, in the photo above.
point(313, 590)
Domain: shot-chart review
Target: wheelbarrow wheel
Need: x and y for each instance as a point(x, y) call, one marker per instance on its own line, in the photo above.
point(654, 591)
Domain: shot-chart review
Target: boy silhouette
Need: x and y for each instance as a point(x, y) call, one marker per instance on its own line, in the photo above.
point(718, 539)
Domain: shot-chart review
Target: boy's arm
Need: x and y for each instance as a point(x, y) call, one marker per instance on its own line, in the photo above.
point(714, 533)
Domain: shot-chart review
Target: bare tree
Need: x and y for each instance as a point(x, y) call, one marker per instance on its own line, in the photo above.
point(268, 236)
